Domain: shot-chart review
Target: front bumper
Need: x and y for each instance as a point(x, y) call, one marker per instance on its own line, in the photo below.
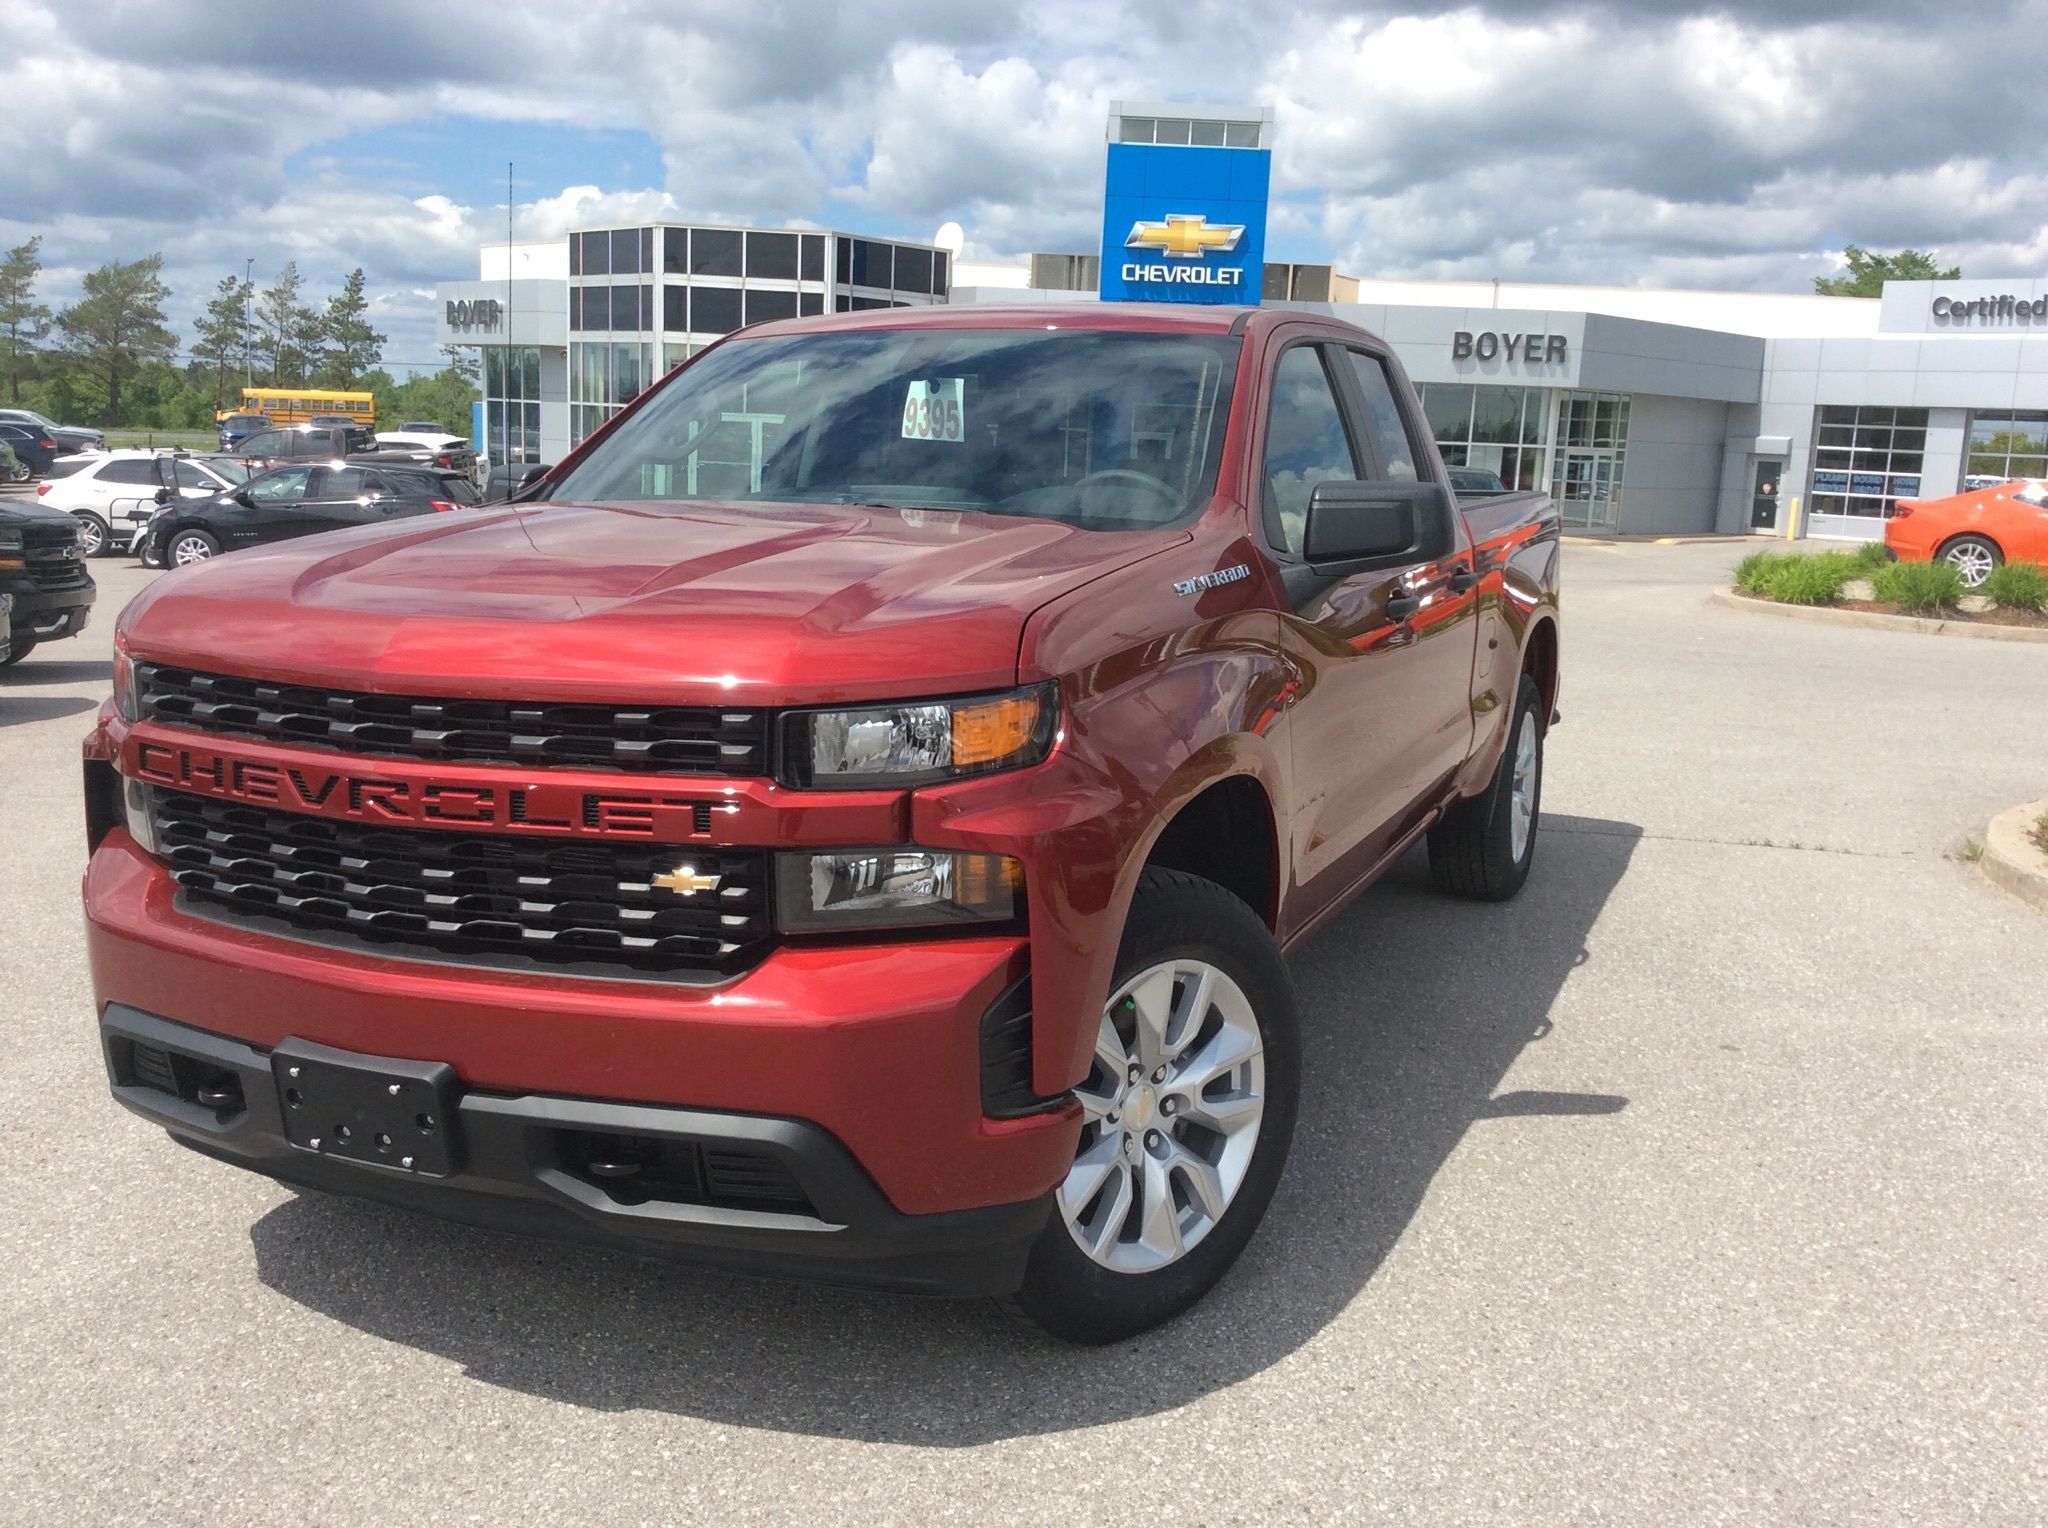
point(767, 1195)
point(47, 614)
point(878, 1045)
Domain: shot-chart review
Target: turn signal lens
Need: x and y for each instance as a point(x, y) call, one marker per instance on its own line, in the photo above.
point(996, 730)
point(124, 687)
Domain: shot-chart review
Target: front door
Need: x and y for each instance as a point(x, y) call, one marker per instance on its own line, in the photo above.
point(1763, 498)
point(1384, 709)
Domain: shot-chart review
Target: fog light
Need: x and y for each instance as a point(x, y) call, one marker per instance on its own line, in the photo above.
point(894, 888)
point(138, 815)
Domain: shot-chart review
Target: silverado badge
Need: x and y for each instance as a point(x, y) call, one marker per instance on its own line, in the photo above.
point(685, 882)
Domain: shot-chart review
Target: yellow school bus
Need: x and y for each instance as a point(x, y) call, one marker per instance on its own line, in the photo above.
point(295, 405)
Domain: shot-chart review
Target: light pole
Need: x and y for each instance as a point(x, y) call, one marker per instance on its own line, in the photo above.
point(248, 285)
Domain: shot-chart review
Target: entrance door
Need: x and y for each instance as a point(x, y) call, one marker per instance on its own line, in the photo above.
point(1587, 488)
point(1763, 499)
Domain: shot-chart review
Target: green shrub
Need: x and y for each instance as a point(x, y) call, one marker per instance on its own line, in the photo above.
point(1815, 580)
point(2018, 586)
point(1926, 587)
point(1752, 574)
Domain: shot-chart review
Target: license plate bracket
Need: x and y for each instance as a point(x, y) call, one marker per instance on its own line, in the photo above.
point(378, 1110)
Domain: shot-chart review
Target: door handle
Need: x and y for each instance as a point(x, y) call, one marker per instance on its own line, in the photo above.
point(1401, 606)
point(1462, 579)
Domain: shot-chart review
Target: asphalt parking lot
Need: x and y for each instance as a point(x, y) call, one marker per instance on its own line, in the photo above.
point(1704, 1183)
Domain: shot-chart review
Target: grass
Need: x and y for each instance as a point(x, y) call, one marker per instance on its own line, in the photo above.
point(1972, 851)
point(1868, 558)
point(1815, 580)
point(2018, 586)
point(1923, 588)
point(2039, 834)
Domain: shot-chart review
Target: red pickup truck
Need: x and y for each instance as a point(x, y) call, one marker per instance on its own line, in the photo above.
point(848, 822)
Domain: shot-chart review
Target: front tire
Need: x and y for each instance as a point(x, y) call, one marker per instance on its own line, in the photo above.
point(1189, 1107)
point(1974, 557)
point(188, 547)
point(22, 647)
point(95, 535)
point(1482, 847)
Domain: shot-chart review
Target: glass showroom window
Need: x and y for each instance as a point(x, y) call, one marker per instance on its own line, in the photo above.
point(511, 403)
point(1497, 429)
point(1866, 458)
point(603, 378)
point(2008, 445)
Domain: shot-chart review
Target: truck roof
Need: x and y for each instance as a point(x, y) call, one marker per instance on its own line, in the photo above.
point(1188, 318)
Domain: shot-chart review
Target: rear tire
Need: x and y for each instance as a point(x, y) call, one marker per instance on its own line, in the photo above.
point(1974, 557)
point(188, 547)
point(1175, 1166)
point(1482, 847)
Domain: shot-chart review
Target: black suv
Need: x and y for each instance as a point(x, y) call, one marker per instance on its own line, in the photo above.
point(42, 569)
point(299, 500)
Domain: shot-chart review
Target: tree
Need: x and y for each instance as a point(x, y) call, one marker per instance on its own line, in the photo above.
point(1868, 273)
point(350, 346)
point(290, 331)
point(465, 361)
point(223, 336)
point(118, 325)
point(24, 322)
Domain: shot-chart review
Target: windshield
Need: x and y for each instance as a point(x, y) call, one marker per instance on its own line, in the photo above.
point(1101, 430)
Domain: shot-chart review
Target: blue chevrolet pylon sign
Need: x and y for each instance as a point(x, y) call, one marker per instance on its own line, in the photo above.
point(1184, 224)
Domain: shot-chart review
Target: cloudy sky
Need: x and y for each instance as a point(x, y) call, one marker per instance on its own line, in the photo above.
point(1645, 143)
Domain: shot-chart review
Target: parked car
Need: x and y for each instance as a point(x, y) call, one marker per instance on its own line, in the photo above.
point(334, 422)
point(1974, 531)
point(513, 480)
point(302, 442)
point(860, 847)
point(35, 450)
point(1469, 481)
point(42, 572)
point(118, 490)
point(237, 428)
point(69, 437)
point(437, 450)
point(299, 500)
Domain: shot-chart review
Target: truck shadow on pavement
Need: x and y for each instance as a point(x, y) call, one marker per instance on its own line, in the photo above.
point(1414, 1007)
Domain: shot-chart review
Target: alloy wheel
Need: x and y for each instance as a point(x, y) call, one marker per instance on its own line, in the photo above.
point(1522, 799)
point(187, 550)
point(1973, 560)
point(92, 536)
point(1172, 1108)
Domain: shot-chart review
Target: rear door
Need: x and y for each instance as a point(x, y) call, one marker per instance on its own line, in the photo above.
point(338, 497)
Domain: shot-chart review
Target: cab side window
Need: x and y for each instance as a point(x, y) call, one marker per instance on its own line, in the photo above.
point(1306, 444)
point(267, 443)
point(131, 472)
point(285, 486)
point(1386, 436)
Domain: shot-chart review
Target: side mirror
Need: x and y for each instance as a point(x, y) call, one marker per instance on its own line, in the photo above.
point(1356, 527)
point(241, 496)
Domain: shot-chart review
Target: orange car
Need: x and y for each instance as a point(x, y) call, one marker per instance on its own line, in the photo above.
point(2007, 522)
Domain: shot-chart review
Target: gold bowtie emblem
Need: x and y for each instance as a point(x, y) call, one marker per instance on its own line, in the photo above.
point(1187, 236)
point(685, 882)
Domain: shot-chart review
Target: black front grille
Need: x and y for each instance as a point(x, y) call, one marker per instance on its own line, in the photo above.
point(469, 896)
point(685, 740)
point(52, 558)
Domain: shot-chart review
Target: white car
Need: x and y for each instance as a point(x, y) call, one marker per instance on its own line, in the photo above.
point(112, 493)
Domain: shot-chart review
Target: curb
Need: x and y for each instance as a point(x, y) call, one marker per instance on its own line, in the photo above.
point(1875, 621)
point(2010, 859)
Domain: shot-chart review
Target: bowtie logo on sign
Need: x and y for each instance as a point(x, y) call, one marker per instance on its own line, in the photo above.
point(1185, 237)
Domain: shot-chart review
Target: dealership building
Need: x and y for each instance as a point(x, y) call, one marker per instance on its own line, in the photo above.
point(1642, 412)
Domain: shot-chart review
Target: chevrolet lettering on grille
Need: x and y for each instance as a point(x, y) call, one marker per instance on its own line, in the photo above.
point(545, 807)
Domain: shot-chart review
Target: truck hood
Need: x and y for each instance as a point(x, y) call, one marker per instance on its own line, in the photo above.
point(756, 604)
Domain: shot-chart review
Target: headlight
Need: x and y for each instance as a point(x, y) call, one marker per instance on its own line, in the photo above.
point(136, 814)
point(916, 743)
point(124, 687)
point(893, 888)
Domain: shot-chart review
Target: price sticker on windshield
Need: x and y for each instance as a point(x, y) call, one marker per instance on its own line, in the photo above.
point(932, 410)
